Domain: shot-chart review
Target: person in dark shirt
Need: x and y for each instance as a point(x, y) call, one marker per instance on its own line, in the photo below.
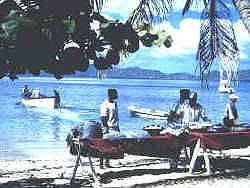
point(57, 99)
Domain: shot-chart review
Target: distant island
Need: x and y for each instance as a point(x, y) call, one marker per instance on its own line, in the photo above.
point(139, 73)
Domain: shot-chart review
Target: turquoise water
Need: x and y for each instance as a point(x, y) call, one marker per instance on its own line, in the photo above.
point(36, 132)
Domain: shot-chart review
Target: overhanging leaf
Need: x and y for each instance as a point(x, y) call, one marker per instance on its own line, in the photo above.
point(217, 38)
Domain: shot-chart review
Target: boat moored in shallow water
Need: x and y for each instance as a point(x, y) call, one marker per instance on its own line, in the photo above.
point(147, 113)
point(225, 87)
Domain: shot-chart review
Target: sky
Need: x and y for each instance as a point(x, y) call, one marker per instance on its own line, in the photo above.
point(185, 32)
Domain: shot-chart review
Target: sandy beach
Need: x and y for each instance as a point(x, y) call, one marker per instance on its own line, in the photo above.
point(132, 171)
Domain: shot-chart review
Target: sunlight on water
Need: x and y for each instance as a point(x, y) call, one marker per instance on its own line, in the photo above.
point(28, 131)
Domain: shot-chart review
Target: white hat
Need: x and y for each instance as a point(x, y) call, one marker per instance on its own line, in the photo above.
point(233, 96)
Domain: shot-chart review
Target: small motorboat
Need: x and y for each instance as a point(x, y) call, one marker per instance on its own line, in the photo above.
point(147, 113)
point(35, 99)
point(47, 102)
point(224, 87)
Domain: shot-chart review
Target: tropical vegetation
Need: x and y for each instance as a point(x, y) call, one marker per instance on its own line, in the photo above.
point(62, 36)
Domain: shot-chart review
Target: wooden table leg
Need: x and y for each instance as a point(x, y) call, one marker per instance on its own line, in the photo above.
point(92, 169)
point(207, 162)
point(76, 163)
point(194, 157)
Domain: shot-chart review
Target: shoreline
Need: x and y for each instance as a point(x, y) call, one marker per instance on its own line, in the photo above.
point(130, 172)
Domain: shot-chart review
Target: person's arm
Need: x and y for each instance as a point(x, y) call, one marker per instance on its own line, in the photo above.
point(203, 114)
point(204, 117)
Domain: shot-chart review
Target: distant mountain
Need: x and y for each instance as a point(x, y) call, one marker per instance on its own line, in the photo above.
point(139, 73)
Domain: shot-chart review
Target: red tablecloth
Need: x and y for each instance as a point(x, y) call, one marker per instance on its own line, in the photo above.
point(221, 141)
point(158, 146)
point(164, 146)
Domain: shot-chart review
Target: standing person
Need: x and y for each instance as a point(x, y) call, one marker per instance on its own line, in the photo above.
point(183, 106)
point(191, 110)
point(109, 117)
point(196, 111)
point(35, 93)
point(174, 115)
point(26, 92)
point(57, 99)
point(231, 112)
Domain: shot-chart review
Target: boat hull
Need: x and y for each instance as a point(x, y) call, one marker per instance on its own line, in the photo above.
point(147, 113)
point(48, 102)
point(223, 89)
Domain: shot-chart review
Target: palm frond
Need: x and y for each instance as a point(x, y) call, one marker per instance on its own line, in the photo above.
point(217, 38)
point(151, 11)
point(190, 2)
point(98, 4)
point(187, 6)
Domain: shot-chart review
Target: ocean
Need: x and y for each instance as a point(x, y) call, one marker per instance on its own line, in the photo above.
point(41, 133)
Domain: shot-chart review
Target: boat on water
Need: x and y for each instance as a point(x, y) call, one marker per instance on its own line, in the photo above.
point(35, 99)
point(147, 113)
point(47, 102)
point(225, 87)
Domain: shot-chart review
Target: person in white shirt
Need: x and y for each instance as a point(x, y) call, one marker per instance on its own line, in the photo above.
point(196, 112)
point(182, 107)
point(191, 111)
point(231, 112)
point(109, 117)
point(109, 112)
point(35, 93)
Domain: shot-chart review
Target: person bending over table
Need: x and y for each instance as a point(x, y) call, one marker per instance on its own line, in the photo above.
point(109, 117)
point(191, 111)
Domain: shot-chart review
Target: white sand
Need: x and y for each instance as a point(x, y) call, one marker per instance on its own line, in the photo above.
point(132, 171)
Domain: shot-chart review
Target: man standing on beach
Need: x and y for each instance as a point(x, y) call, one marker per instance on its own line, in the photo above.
point(109, 117)
point(231, 115)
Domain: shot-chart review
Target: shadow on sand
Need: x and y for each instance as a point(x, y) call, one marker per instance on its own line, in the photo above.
point(222, 168)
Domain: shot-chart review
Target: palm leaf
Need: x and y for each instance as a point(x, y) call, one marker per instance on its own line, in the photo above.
point(190, 2)
point(98, 4)
point(14, 21)
point(217, 38)
point(151, 11)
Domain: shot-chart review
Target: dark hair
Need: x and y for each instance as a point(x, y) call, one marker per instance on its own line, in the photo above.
point(112, 93)
point(184, 94)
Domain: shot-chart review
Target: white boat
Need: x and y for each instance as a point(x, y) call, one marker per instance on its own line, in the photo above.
point(47, 102)
point(225, 87)
point(147, 113)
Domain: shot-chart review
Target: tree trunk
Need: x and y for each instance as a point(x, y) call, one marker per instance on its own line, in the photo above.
point(243, 7)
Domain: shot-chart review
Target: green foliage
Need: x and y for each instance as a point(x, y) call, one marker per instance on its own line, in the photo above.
point(16, 20)
point(70, 25)
point(39, 33)
point(162, 37)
